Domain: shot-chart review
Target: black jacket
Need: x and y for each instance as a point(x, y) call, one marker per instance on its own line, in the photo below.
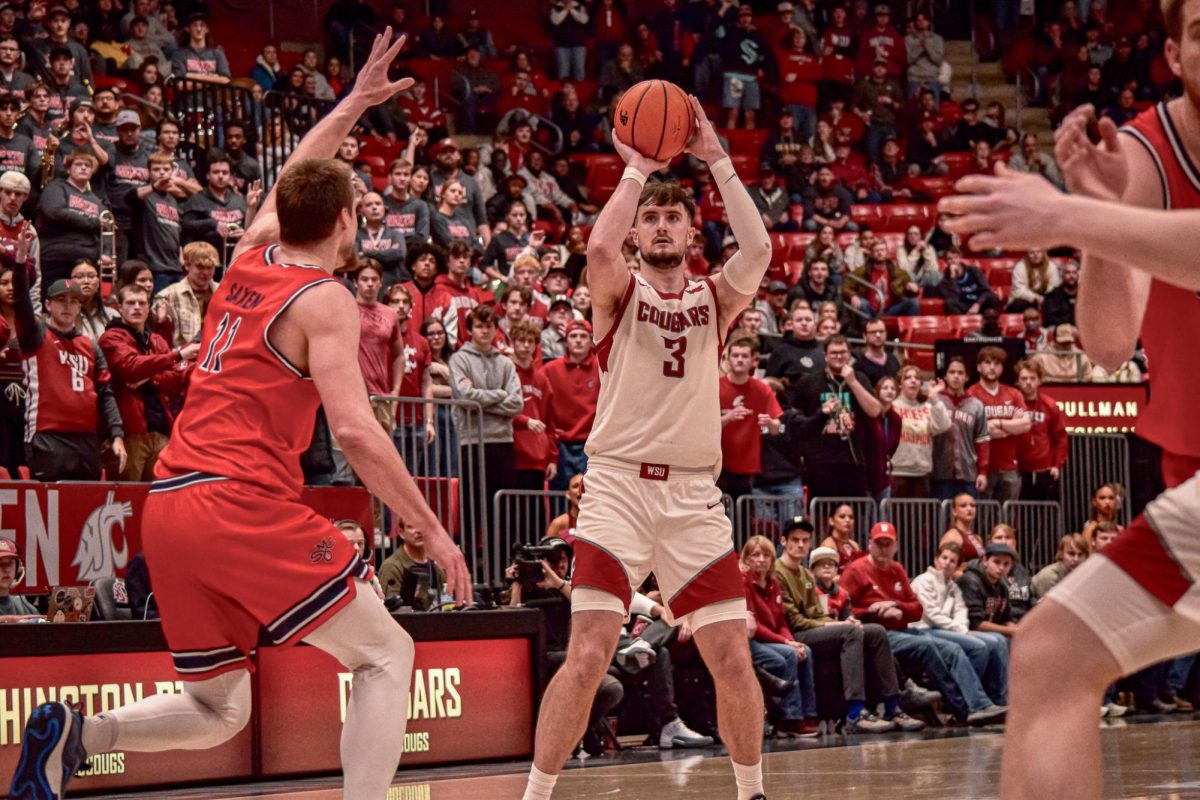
point(986, 601)
point(792, 358)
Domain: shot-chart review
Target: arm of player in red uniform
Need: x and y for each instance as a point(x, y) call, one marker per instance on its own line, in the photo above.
point(328, 318)
point(371, 87)
point(737, 284)
point(1059, 443)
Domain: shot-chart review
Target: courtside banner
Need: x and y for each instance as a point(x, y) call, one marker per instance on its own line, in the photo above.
point(73, 533)
point(468, 700)
point(1099, 407)
point(102, 681)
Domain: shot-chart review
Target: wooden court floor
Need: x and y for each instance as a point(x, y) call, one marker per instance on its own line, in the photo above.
point(1158, 760)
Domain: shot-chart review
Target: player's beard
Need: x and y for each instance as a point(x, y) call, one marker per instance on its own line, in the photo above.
point(663, 261)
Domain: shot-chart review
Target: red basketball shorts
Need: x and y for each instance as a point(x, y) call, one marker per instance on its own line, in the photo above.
point(227, 561)
point(637, 519)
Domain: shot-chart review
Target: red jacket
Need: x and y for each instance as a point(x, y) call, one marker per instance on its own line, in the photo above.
point(867, 583)
point(451, 302)
point(767, 607)
point(1045, 445)
point(130, 362)
point(576, 390)
point(422, 308)
point(534, 450)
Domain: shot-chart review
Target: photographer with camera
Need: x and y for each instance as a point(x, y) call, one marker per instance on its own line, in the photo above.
point(540, 575)
point(409, 573)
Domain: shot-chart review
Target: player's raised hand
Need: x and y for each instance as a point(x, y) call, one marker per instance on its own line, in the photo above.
point(1093, 170)
point(1008, 210)
point(446, 554)
point(705, 146)
point(643, 164)
point(371, 85)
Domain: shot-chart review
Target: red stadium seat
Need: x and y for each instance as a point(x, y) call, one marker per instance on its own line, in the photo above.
point(962, 324)
point(868, 214)
point(909, 326)
point(380, 183)
point(375, 164)
point(745, 142)
point(846, 238)
point(933, 187)
point(900, 216)
point(792, 271)
point(999, 272)
point(958, 163)
point(933, 306)
point(1012, 324)
point(950, 112)
point(923, 330)
point(747, 166)
point(893, 239)
point(793, 245)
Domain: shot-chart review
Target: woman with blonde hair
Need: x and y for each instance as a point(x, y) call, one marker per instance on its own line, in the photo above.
point(772, 646)
point(1033, 278)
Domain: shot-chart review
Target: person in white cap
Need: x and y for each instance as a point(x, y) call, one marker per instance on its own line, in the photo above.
point(128, 170)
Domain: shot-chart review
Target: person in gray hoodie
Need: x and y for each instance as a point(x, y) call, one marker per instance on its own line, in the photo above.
point(480, 374)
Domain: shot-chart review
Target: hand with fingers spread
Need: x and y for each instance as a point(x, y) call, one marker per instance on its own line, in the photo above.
point(371, 85)
point(643, 164)
point(1010, 210)
point(1092, 170)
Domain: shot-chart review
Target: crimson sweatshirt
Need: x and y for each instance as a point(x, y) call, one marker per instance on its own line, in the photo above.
point(576, 390)
point(1045, 445)
point(534, 450)
point(766, 603)
point(866, 583)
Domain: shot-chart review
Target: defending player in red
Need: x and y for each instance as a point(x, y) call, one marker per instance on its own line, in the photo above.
point(1139, 280)
point(649, 501)
point(279, 339)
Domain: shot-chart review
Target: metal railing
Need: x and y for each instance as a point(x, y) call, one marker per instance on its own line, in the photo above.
point(763, 514)
point(1093, 460)
point(521, 517)
point(1038, 525)
point(450, 471)
point(853, 307)
point(920, 525)
point(821, 509)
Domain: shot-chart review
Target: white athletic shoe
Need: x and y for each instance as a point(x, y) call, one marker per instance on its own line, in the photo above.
point(1114, 710)
point(636, 657)
point(676, 734)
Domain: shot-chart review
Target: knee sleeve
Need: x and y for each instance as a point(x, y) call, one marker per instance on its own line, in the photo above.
point(718, 612)
point(228, 699)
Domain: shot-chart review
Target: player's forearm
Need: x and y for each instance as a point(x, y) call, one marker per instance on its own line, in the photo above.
point(378, 465)
point(1109, 319)
point(744, 218)
point(614, 222)
point(1162, 243)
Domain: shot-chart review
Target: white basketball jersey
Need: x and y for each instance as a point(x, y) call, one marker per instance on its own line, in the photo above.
point(659, 379)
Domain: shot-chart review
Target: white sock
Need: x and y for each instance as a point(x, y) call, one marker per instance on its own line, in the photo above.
point(99, 733)
point(540, 785)
point(749, 779)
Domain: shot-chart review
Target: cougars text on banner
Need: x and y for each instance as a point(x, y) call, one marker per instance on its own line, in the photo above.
point(72, 533)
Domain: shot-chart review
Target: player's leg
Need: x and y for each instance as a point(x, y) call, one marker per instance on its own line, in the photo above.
point(568, 698)
point(59, 739)
point(726, 651)
point(364, 637)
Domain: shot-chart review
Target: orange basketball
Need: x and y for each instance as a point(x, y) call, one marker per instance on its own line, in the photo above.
point(656, 119)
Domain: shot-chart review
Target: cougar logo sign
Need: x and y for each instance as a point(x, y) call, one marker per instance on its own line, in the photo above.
point(97, 555)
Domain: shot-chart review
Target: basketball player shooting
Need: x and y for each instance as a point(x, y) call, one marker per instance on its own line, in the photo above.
point(1139, 280)
point(231, 550)
point(649, 501)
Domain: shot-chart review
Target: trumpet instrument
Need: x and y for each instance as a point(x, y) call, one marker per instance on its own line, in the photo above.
point(57, 131)
point(108, 247)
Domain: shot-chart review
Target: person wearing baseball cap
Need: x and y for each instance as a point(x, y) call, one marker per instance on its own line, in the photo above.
point(575, 386)
point(880, 592)
point(13, 607)
point(58, 24)
point(128, 171)
point(861, 647)
point(198, 57)
point(447, 166)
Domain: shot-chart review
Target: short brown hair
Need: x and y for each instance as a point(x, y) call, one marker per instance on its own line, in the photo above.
point(667, 193)
point(309, 199)
point(481, 315)
point(1032, 366)
point(397, 289)
point(525, 295)
point(745, 341)
point(951, 547)
point(837, 338)
point(456, 249)
point(525, 329)
point(398, 164)
point(1173, 14)
point(80, 155)
point(991, 353)
point(160, 160)
point(201, 254)
point(131, 288)
point(366, 262)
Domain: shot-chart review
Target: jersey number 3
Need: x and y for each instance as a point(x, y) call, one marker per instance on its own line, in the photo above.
point(221, 342)
point(677, 347)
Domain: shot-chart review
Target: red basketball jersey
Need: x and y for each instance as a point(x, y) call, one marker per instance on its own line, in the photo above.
point(1171, 324)
point(61, 377)
point(249, 413)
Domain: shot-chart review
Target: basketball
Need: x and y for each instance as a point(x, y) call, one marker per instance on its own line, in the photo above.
point(656, 119)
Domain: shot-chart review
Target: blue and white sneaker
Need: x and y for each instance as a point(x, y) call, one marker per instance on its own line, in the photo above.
point(51, 752)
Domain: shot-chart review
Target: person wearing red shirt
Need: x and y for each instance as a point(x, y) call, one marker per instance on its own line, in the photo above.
point(1043, 450)
point(880, 592)
point(575, 385)
point(453, 296)
point(422, 110)
point(148, 375)
point(425, 263)
point(1007, 422)
point(799, 74)
point(884, 42)
point(380, 342)
point(534, 441)
point(772, 647)
point(416, 423)
point(748, 411)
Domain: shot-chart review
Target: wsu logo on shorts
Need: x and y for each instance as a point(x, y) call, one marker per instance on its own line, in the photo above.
point(323, 552)
point(97, 556)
